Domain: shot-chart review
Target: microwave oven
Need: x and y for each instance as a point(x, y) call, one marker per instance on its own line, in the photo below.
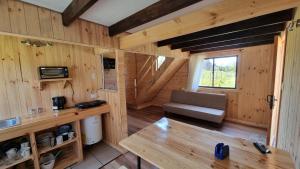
point(53, 72)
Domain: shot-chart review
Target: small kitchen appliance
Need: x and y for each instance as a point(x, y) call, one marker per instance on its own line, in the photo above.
point(53, 72)
point(58, 102)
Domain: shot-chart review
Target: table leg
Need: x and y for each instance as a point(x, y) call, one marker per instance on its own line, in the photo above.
point(138, 162)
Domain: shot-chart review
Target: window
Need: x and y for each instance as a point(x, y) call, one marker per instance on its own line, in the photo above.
point(219, 72)
point(159, 61)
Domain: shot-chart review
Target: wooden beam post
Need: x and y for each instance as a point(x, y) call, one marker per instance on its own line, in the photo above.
point(75, 9)
point(218, 14)
point(152, 12)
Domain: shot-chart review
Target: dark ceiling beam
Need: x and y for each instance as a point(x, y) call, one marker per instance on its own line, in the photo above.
point(231, 36)
point(150, 13)
point(232, 42)
point(234, 46)
point(75, 9)
point(278, 17)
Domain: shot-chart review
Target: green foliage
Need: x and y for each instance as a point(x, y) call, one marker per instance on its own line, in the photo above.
point(224, 75)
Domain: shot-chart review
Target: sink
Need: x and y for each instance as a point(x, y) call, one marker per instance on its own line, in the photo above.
point(6, 123)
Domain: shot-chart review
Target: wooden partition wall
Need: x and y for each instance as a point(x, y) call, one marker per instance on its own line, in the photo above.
point(289, 117)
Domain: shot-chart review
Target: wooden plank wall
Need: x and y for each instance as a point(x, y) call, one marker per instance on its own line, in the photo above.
point(19, 89)
point(18, 18)
point(255, 71)
point(18, 74)
point(289, 121)
point(130, 75)
point(115, 123)
point(177, 82)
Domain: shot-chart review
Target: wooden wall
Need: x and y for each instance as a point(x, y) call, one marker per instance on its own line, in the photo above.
point(76, 46)
point(255, 73)
point(115, 123)
point(18, 18)
point(178, 81)
point(130, 76)
point(19, 77)
point(254, 83)
point(289, 121)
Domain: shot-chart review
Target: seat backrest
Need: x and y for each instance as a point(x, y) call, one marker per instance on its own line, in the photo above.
point(209, 100)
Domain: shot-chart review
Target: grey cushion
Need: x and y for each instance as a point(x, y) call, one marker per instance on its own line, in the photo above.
point(204, 113)
point(210, 100)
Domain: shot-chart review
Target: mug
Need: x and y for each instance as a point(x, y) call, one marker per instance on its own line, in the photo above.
point(52, 141)
point(25, 152)
point(24, 145)
point(65, 136)
point(11, 153)
point(59, 140)
point(71, 135)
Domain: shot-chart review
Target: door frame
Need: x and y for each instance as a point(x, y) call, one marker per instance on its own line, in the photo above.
point(279, 54)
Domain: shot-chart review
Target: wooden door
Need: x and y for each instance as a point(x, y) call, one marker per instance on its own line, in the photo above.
point(280, 54)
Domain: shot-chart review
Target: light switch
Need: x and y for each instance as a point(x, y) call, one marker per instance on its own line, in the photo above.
point(298, 23)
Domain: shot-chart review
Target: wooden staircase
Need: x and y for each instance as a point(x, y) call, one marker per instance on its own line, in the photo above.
point(150, 79)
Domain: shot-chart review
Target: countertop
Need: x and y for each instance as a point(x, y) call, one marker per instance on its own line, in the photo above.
point(48, 119)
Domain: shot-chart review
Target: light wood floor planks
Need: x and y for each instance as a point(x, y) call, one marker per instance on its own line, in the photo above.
point(138, 119)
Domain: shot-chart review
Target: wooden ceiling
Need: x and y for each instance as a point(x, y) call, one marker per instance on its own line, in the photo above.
point(250, 32)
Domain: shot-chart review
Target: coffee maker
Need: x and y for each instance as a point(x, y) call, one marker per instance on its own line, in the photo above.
point(58, 102)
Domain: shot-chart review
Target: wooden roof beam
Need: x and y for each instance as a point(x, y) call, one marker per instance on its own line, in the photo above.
point(234, 46)
point(75, 9)
point(231, 36)
point(150, 13)
point(273, 18)
point(233, 42)
point(214, 15)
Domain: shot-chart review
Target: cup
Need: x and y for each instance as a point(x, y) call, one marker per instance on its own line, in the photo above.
point(11, 153)
point(71, 135)
point(59, 140)
point(24, 145)
point(25, 152)
point(52, 141)
point(65, 136)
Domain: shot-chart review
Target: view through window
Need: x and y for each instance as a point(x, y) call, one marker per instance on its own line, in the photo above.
point(159, 61)
point(219, 72)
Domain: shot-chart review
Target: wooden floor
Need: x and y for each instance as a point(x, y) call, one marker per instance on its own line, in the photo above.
point(138, 119)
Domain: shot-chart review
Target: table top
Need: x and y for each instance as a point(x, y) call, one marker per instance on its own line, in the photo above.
point(169, 144)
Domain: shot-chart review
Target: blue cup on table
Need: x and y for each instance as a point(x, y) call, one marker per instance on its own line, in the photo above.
point(221, 151)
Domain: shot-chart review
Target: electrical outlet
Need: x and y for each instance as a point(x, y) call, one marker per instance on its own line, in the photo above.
point(94, 95)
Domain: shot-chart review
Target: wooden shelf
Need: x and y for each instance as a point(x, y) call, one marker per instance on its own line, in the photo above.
point(47, 149)
point(66, 162)
point(16, 162)
point(43, 81)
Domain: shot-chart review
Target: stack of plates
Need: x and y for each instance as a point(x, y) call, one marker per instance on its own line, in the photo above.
point(44, 140)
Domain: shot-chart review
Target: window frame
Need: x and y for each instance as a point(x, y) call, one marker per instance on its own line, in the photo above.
point(213, 72)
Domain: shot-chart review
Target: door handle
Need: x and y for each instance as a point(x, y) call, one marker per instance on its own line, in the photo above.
point(271, 99)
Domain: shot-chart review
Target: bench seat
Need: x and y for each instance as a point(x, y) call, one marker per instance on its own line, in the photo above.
point(204, 106)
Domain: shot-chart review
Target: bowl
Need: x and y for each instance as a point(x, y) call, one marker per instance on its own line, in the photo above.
point(47, 161)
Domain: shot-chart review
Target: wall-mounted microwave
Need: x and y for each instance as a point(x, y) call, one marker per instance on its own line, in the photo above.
point(53, 72)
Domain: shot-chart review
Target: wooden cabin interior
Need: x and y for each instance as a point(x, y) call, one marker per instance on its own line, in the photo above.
point(172, 84)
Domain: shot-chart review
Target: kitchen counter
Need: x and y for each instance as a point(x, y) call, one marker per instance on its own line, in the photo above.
point(49, 119)
point(31, 126)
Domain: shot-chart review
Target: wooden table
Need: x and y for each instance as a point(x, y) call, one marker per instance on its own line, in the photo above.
point(169, 144)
